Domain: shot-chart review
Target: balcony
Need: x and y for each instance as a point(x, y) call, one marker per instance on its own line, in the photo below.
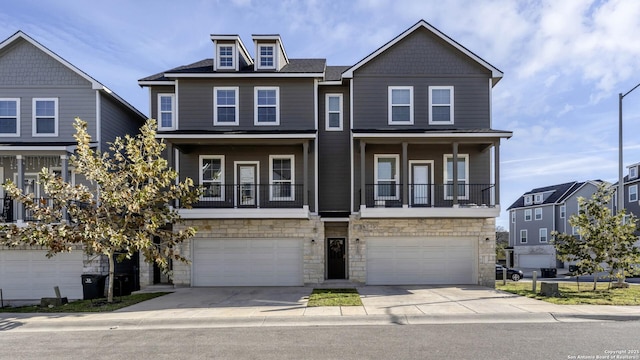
point(429, 200)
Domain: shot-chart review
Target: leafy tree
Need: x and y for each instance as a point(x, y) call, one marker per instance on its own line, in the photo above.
point(125, 207)
point(603, 238)
point(502, 241)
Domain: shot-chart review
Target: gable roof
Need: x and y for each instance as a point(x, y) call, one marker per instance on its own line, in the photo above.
point(95, 84)
point(560, 191)
point(496, 74)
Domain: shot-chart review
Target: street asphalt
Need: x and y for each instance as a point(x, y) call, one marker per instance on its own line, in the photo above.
point(287, 306)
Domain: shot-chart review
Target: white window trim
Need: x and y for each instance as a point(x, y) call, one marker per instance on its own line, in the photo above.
point(236, 106)
point(527, 200)
point(563, 211)
point(233, 57)
point(525, 237)
point(634, 192)
point(34, 129)
point(396, 176)
point(328, 112)
point(292, 158)
point(451, 104)
point(527, 213)
point(17, 133)
point(72, 173)
point(538, 198)
point(255, 106)
point(633, 172)
point(390, 105)
point(513, 217)
point(173, 111)
point(537, 211)
point(546, 237)
point(446, 176)
point(274, 55)
point(222, 177)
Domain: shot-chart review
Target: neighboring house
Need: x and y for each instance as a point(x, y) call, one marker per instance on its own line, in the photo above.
point(539, 212)
point(631, 199)
point(40, 96)
point(314, 173)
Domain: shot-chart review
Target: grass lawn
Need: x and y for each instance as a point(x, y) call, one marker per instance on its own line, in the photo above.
point(334, 297)
point(570, 295)
point(96, 305)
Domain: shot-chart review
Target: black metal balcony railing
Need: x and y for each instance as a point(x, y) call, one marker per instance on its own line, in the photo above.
point(389, 194)
point(281, 195)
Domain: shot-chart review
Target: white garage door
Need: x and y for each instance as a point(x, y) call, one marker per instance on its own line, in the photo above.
point(536, 261)
point(247, 262)
point(406, 261)
point(30, 275)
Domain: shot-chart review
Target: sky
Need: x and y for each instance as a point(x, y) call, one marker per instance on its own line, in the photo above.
point(564, 62)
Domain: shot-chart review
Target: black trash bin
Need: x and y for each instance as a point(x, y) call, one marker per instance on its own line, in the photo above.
point(92, 286)
point(122, 284)
point(548, 272)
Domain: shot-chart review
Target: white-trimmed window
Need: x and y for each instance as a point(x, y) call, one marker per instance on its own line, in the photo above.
point(400, 105)
point(513, 217)
point(333, 117)
point(575, 231)
point(633, 172)
point(527, 215)
point(212, 177)
point(440, 105)
point(527, 200)
point(267, 106)
point(563, 211)
point(281, 177)
point(225, 106)
point(537, 198)
point(226, 56)
point(523, 236)
point(166, 111)
point(9, 117)
point(266, 57)
point(463, 176)
point(633, 193)
point(538, 213)
point(543, 235)
point(387, 177)
point(45, 117)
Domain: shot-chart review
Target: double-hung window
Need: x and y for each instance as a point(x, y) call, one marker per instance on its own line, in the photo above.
point(212, 177)
point(440, 105)
point(400, 105)
point(226, 56)
point(387, 178)
point(563, 211)
point(527, 215)
point(281, 178)
point(538, 214)
point(523, 236)
point(266, 57)
point(543, 235)
point(9, 117)
point(45, 117)
point(633, 172)
point(333, 115)
point(633, 193)
point(463, 176)
point(225, 103)
point(166, 111)
point(267, 106)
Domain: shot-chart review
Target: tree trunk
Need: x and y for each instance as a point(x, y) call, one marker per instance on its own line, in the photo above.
point(111, 271)
point(595, 281)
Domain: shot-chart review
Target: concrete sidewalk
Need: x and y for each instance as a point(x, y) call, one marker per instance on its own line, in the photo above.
point(287, 306)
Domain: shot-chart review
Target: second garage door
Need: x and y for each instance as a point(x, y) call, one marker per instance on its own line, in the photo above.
point(247, 262)
point(409, 260)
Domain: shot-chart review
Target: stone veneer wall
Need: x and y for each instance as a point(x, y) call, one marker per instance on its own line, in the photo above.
point(477, 228)
point(304, 229)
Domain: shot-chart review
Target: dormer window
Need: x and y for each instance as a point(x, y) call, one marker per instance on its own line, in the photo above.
point(633, 172)
point(266, 57)
point(537, 199)
point(226, 56)
point(527, 200)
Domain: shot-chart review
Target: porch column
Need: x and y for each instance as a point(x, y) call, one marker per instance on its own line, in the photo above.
point(20, 206)
point(363, 189)
point(64, 161)
point(496, 173)
point(405, 175)
point(305, 174)
point(454, 174)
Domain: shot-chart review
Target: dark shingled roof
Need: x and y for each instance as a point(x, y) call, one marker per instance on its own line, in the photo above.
point(560, 192)
point(295, 66)
point(427, 131)
point(334, 73)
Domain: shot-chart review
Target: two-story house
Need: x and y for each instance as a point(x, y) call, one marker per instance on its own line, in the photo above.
point(539, 212)
point(383, 172)
point(631, 199)
point(40, 96)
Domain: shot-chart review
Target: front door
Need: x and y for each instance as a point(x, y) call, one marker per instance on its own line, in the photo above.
point(420, 184)
point(336, 258)
point(247, 184)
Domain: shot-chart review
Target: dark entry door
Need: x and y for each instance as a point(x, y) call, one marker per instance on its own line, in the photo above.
point(336, 258)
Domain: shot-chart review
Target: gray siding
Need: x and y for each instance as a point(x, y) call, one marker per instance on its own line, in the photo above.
point(116, 120)
point(195, 104)
point(155, 90)
point(533, 226)
point(334, 166)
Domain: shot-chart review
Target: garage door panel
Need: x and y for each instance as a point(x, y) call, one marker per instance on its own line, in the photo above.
point(247, 262)
point(420, 261)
